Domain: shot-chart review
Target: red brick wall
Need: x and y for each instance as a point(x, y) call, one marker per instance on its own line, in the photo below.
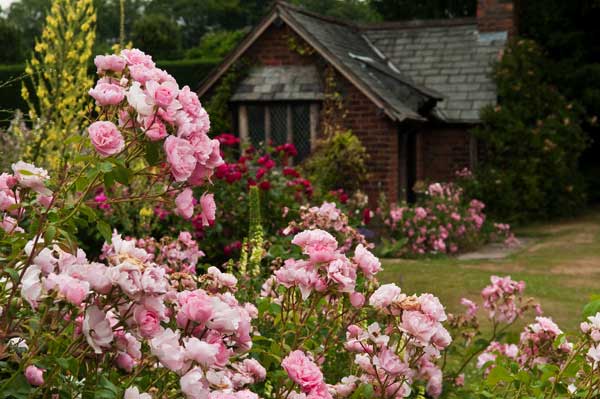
point(496, 16)
point(443, 151)
point(376, 131)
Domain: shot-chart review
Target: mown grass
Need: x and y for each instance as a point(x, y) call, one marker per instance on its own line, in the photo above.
point(561, 267)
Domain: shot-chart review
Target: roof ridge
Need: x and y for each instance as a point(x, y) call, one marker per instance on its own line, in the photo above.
point(327, 18)
point(418, 23)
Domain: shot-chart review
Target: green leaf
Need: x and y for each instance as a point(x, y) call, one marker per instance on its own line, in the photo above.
point(498, 374)
point(105, 167)
point(49, 235)
point(122, 174)
point(106, 389)
point(69, 364)
point(591, 308)
point(152, 152)
point(105, 230)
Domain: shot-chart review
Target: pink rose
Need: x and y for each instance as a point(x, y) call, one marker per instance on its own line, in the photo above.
point(165, 346)
point(31, 286)
point(193, 306)
point(207, 203)
point(385, 296)
point(193, 385)
point(107, 94)
point(111, 62)
point(148, 321)
point(135, 56)
point(367, 262)
point(162, 94)
point(125, 361)
point(418, 325)
point(357, 299)
point(319, 245)
point(106, 138)
point(134, 393)
point(155, 129)
point(185, 204)
point(180, 155)
point(302, 371)
point(202, 352)
point(431, 306)
point(34, 375)
point(96, 328)
point(74, 290)
point(27, 175)
point(189, 101)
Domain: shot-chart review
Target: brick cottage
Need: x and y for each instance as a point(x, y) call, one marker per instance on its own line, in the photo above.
point(410, 91)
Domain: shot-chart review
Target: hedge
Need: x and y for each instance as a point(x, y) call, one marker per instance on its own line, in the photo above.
point(187, 72)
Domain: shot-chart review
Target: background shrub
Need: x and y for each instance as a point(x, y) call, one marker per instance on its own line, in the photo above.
point(533, 141)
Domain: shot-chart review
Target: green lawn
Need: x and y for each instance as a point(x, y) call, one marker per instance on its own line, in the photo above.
point(561, 267)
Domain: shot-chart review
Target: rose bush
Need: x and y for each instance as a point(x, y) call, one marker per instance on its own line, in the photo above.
point(441, 221)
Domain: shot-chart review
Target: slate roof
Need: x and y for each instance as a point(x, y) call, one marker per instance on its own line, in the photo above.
point(411, 70)
point(348, 46)
point(455, 60)
point(277, 83)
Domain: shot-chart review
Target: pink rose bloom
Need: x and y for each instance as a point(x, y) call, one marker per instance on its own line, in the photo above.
point(195, 306)
point(111, 62)
point(202, 352)
point(74, 290)
point(165, 346)
point(418, 325)
point(162, 94)
point(390, 363)
point(31, 286)
point(459, 381)
point(154, 280)
point(189, 101)
point(193, 385)
point(367, 262)
point(134, 393)
point(431, 306)
point(28, 175)
point(106, 138)
point(148, 321)
point(107, 94)
point(471, 307)
point(125, 361)
point(137, 98)
point(128, 276)
point(255, 369)
point(96, 328)
point(44, 200)
point(302, 371)
point(185, 204)
point(155, 129)
point(34, 375)
point(318, 244)
point(180, 155)
point(141, 73)
point(385, 296)
point(357, 299)
point(135, 56)
point(441, 338)
point(207, 203)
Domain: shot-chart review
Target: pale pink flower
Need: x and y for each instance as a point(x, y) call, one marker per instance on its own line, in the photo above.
point(155, 129)
point(254, 368)
point(135, 56)
point(193, 306)
point(202, 352)
point(125, 361)
point(390, 363)
point(137, 98)
point(134, 393)
point(185, 203)
point(302, 370)
point(318, 244)
point(207, 203)
point(165, 346)
point(431, 306)
point(28, 175)
point(357, 299)
point(96, 328)
point(147, 320)
point(128, 276)
point(107, 93)
point(418, 325)
point(106, 138)
point(368, 263)
point(72, 289)
point(34, 375)
point(111, 62)
point(193, 385)
point(385, 296)
point(31, 286)
point(180, 155)
point(154, 280)
point(162, 94)
point(594, 354)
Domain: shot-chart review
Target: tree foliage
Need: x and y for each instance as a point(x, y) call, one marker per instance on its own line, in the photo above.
point(533, 141)
point(158, 35)
point(394, 10)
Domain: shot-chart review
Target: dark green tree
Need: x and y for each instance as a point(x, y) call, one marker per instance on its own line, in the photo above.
point(396, 10)
point(10, 43)
point(28, 16)
point(158, 35)
point(533, 141)
point(352, 10)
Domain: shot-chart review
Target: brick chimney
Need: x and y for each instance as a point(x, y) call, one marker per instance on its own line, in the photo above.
point(496, 16)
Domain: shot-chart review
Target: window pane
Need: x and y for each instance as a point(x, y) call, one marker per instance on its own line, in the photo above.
point(256, 124)
point(301, 129)
point(278, 123)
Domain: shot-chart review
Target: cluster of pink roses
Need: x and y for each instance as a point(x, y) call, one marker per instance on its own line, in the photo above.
point(393, 357)
point(502, 299)
point(330, 218)
point(327, 267)
point(150, 106)
point(442, 222)
point(304, 372)
point(25, 177)
point(537, 344)
point(194, 327)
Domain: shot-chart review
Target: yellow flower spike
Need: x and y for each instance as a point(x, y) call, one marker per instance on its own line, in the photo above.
point(146, 212)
